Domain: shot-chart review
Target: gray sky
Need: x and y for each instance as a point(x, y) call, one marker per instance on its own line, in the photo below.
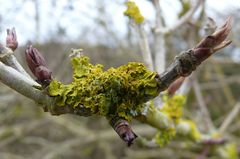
point(21, 16)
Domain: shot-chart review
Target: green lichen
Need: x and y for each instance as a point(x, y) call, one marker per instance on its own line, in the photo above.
point(163, 137)
point(229, 151)
point(188, 128)
point(173, 106)
point(133, 12)
point(118, 91)
point(168, 120)
point(232, 150)
point(158, 119)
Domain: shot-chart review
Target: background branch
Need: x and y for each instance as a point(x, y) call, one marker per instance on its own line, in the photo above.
point(184, 19)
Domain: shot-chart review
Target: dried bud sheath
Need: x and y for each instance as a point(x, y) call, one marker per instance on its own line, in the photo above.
point(124, 130)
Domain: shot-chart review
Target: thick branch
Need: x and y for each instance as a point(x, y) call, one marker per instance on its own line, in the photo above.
point(20, 83)
point(28, 88)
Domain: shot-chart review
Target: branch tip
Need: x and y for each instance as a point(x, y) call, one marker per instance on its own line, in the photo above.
point(217, 40)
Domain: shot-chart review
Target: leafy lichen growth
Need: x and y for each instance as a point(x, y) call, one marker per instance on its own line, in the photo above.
point(229, 150)
point(173, 106)
point(169, 122)
point(232, 150)
point(163, 137)
point(133, 12)
point(118, 91)
point(188, 129)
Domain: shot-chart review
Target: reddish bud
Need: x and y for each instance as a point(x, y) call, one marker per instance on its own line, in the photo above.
point(213, 42)
point(202, 53)
point(11, 40)
point(43, 75)
point(38, 66)
point(124, 130)
point(175, 86)
point(217, 39)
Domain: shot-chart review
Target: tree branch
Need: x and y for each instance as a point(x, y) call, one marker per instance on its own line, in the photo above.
point(7, 57)
point(181, 21)
point(144, 45)
point(185, 63)
point(231, 116)
point(182, 66)
point(21, 83)
point(159, 47)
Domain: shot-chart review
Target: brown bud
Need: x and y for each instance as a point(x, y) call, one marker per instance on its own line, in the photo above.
point(43, 75)
point(38, 66)
point(11, 40)
point(175, 86)
point(202, 54)
point(217, 39)
point(124, 130)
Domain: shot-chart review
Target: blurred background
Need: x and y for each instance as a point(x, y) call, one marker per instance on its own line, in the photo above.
point(107, 37)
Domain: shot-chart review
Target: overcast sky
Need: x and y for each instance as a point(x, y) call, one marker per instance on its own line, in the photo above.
point(21, 15)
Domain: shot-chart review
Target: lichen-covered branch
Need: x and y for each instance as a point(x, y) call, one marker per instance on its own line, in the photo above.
point(118, 93)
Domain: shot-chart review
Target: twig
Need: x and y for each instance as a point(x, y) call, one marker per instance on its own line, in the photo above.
point(159, 39)
point(225, 88)
point(7, 57)
point(144, 45)
point(185, 63)
point(216, 84)
point(181, 21)
point(228, 120)
point(204, 111)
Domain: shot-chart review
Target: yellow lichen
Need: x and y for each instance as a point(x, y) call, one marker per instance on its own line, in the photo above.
point(163, 137)
point(158, 119)
point(188, 129)
point(173, 106)
point(133, 12)
point(118, 91)
point(232, 150)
